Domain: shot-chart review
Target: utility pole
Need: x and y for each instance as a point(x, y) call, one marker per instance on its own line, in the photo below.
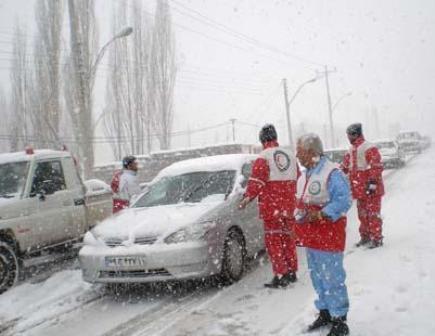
point(233, 123)
point(331, 124)
point(288, 103)
point(287, 113)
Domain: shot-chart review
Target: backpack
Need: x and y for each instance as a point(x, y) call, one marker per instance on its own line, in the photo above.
point(114, 185)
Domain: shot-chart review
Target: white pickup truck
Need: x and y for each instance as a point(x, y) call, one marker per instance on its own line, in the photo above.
point(43, 204)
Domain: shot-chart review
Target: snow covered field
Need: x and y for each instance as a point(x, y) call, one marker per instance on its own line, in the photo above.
point(391, 288)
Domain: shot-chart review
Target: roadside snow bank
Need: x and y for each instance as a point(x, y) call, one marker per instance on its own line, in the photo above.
point(29, 305)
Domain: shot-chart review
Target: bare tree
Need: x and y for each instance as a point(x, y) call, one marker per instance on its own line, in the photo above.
point(5, 116)
point(80, 77)
point(45, 92)
point(18, 126)
point(163, 73)
point(126, 114)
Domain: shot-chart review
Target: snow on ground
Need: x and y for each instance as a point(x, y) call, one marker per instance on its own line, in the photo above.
point(391, 288)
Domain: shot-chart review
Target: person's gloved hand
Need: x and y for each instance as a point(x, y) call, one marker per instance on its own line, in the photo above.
point(244, 202)
point(300, 215)
point(314, 215)
point(371, 187)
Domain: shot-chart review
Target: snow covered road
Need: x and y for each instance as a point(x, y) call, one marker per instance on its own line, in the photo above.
point(390, 288)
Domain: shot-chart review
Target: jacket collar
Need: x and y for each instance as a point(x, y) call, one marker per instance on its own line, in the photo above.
point(358, 141)
point(270, 144)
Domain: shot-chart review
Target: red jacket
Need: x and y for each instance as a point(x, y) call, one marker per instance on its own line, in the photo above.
point(324, 234)
point(275, 198)
point(363, 164)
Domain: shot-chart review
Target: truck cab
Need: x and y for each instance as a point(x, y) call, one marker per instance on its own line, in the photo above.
point(43, 203)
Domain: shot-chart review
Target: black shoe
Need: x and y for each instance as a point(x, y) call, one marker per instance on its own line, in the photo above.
point(275, 283)
point(288, 278)
point(362, 242)
point(323, 319)
point(375, 243)
point(339, 327)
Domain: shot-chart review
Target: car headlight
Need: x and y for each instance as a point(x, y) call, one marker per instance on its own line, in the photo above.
point(92, 238)
point(191, 233)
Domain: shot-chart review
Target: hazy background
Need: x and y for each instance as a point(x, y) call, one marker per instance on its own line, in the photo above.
point(382, 52)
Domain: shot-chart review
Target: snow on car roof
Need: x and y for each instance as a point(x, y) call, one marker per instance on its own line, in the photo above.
point(38, 154)
point(208, 163)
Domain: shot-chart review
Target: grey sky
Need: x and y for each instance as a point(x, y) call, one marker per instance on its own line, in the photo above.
point(382, 51)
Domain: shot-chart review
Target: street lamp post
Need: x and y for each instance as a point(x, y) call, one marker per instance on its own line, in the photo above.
point(332, 111)
point(123, 33)
point(288, 103)
point(340, 99)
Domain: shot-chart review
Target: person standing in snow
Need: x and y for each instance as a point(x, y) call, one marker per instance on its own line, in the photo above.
point(273, 181)
point(323, 200)
point(364, 168)
point(125, 185)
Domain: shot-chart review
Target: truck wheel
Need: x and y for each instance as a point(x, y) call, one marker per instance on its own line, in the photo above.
point(9, 267)
point(233, 262)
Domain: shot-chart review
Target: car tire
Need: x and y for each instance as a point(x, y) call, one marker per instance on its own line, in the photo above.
point(233, 259)
point(9, 266)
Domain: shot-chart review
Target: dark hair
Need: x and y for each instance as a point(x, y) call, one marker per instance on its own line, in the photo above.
point(354, 129)
point(268, 133)
point(127, 160)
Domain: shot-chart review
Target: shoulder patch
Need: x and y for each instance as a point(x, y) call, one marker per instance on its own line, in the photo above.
point(314, 188)
point(282, 160)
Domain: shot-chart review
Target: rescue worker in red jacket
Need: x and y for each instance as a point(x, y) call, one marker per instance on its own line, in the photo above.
point(273, 181)
point(364, 168)
point(324, 198)
point(125, 184)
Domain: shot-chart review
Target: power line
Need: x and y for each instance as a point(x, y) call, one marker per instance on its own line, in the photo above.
point(221, 27)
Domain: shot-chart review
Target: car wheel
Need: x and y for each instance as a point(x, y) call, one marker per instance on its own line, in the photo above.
point(233, 262)
point(9, 267)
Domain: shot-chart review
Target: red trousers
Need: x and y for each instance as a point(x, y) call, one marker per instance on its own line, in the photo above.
point(369, 214)
point(280, 245)
point(119, 204)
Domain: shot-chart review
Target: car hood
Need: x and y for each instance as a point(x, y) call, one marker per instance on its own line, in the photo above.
point(157, 221)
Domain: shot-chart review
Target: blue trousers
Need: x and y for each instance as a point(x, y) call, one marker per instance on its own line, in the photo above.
point(328, 277)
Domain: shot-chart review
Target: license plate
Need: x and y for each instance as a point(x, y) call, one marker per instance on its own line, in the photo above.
point(125, 261)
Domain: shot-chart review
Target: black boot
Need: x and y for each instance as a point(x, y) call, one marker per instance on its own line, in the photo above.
point(288, 278)
point(275, 283)
point(363, 241)
point(323, 319)
point(375, 243)
point(339, 327)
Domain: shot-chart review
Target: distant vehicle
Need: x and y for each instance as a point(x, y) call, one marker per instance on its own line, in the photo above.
point(410, 142)
point(43, 204)
point(392, 155)
point(185, 225)
point(335, 154)
point(426, 141)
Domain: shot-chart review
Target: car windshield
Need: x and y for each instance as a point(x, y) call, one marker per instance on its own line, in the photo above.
point(189, 188)
point(12, 178)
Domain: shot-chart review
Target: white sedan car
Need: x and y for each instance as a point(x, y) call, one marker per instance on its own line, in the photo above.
point(186, 225)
